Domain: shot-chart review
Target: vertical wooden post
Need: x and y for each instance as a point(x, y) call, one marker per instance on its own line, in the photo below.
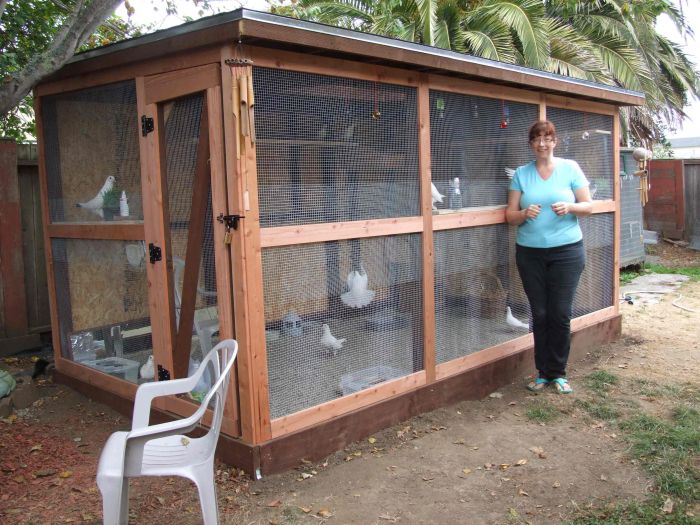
point(427, 238)
point(219, 205)
point(13, 305)
point(618, 208)
point(246, 256)
point(155, 217)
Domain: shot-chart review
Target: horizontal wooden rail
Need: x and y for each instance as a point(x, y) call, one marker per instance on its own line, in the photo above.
point(332, 231)
point(325, 411)
point(131, 231)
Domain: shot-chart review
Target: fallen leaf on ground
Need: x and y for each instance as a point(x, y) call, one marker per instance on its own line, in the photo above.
point(539, 451)
point(274, 503)
point(466, 470)
point(66, 474)
point(495, 395)
point(521, 492)
point(372, 440)
point(305, 510)
point(521, 462)
point(556, 484)
point(668, 506)
point(386, 517)
point(324, 513)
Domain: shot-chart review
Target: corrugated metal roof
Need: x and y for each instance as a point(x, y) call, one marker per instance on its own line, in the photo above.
point(686, 142)
point(378, 49)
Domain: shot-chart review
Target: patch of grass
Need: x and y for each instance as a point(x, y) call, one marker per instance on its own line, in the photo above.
point(598, 410)
point(542, 412)
point(627, 276)
point(600, 381)
point(638, 513)
point(682, 391)
point(691, 271)
point(291, 514)
point(668, 450)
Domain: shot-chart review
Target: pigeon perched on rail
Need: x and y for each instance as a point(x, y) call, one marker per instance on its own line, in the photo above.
point(330, 342)
point(147, 370)
point(435, 195)
point(95, 204)
point(514, 322)
point(357, 295)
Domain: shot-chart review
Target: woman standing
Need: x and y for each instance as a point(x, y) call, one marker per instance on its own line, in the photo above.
point(546, 198)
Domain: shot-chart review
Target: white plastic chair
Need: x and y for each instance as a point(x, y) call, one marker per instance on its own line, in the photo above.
point(204, 326)
point(163, 449)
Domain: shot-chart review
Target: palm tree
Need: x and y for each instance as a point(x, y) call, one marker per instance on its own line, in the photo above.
point(608, 41)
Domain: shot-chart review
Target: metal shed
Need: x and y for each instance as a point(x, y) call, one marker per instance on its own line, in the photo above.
point(275, 178)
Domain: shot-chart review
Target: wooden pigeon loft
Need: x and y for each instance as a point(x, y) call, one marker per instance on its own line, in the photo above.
point(332, 200)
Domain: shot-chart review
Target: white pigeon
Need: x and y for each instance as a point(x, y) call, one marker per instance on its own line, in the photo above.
point(513, 322)
point(357, 295)
point(147, 371)
point(95, 204)
point(509, 172)
point(329, 342)
point(436, 195)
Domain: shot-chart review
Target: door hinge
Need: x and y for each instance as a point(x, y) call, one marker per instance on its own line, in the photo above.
point(154, 253)
point(146, 125)
point(163, 374)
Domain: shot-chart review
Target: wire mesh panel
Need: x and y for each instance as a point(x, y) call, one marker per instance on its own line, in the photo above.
point(595, 289)
point(183, 120)
point(475, 144)
point(91, 145)
point(333, 149)
point(587, 139)
point(341, 316)
point(102, 304)
point(476, 279)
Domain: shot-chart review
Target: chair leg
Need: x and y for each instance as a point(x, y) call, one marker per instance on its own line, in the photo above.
point(204, 479)
point(115, 500)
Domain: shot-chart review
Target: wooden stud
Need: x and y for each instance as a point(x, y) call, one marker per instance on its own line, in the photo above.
point(222, 254)
point(155, 212)
point(246, 261)
point(312, 233)
point(428, 247)
point(482, 89)
point(176, 84)
point(587, 106)
point(319, 65)
point(48, 248)
point(125, 231)
point(325, 411)
point(88, 74)
point(618, 211)
point(470, 217)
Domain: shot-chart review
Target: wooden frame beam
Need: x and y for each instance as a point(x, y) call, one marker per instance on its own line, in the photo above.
point(115, 231)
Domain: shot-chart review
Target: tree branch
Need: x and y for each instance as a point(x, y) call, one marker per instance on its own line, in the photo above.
point(80, 24)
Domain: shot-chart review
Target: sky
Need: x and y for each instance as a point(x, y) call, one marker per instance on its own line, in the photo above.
point(146, 14)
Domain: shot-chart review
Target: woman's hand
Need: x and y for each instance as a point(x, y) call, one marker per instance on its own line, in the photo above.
point(532, 211)
point(561, 208)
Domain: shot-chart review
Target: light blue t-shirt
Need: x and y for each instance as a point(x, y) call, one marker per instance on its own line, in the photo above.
point(549, 230)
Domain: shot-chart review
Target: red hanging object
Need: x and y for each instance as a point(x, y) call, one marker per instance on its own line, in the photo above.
point(504, 115)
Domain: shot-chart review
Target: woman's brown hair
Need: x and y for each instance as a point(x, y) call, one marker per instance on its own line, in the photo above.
point(541, 127)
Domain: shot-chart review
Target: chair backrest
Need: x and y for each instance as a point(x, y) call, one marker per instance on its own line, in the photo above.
point(221, 359)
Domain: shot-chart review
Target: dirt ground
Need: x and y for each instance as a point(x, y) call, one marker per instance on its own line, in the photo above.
point(478, 462)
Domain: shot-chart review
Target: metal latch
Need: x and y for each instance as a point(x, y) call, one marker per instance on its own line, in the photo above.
point(231, 221)
point(147, 125)
point(154, 253)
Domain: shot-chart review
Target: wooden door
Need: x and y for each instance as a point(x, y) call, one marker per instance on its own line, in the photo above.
point(184, 192)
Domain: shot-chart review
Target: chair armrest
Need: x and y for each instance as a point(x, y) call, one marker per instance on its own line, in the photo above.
point(146, 392)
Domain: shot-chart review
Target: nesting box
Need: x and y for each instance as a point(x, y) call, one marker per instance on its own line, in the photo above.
point(276, 166)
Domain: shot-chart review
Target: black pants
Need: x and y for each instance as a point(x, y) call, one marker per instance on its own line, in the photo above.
point(550, 277)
